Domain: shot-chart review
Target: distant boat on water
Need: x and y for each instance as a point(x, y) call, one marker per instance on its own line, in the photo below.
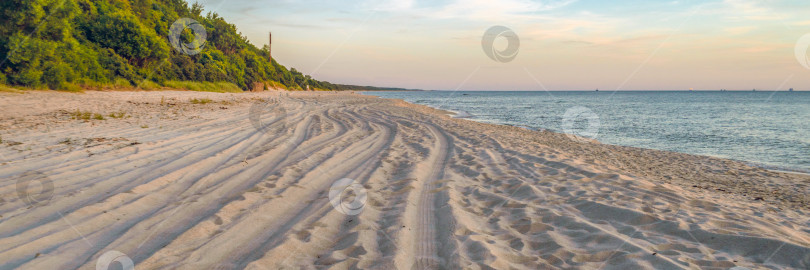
point(791, 90)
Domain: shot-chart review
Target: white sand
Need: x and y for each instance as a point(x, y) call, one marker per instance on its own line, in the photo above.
point(243, 183)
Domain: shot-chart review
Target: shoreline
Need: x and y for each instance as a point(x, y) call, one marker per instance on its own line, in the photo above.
point(451, 114)
point(468, 116)
point(244, 180)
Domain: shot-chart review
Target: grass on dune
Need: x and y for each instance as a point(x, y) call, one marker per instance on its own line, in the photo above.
point(22, 89)
point(124, 85)
point(7, 89)
point(220, 87)
point(200, 101)
point(86, 115)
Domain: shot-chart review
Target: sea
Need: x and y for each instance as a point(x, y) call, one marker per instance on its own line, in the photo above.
point(769, 129)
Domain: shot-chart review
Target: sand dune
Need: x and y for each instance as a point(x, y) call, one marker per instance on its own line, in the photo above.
point(249, 181)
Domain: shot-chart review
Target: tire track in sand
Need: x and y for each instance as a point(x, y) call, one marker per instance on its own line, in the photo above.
point(422, 253)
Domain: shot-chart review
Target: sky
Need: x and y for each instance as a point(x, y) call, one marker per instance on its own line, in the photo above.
point(564, 44)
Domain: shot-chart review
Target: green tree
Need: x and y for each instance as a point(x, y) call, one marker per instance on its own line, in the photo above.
point(59, 43)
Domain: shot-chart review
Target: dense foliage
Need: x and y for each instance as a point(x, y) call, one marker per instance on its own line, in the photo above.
point(63, 44)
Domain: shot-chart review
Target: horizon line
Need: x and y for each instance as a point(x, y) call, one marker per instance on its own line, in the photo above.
point(633, 90)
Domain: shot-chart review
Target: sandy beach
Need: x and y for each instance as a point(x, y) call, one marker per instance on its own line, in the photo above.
point(193, 180)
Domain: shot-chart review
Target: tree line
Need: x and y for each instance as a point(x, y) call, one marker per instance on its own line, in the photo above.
point(65, 44)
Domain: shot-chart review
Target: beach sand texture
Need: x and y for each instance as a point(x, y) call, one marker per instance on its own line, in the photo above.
point(244, 181)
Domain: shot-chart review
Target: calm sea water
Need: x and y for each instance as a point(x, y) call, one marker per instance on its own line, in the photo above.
point(770, 129)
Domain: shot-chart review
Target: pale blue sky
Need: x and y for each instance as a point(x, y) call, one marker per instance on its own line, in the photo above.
point(565, 44)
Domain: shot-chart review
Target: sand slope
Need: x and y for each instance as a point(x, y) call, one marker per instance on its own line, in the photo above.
point(244, 182)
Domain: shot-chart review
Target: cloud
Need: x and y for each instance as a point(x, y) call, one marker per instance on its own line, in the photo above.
point(577, 43)
point(749, 10)
point(468, 9)
point(496, 10)
point(391, 5)
point(306, 26)
point(802, 23)
point(407, 36)
point(739, 30)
